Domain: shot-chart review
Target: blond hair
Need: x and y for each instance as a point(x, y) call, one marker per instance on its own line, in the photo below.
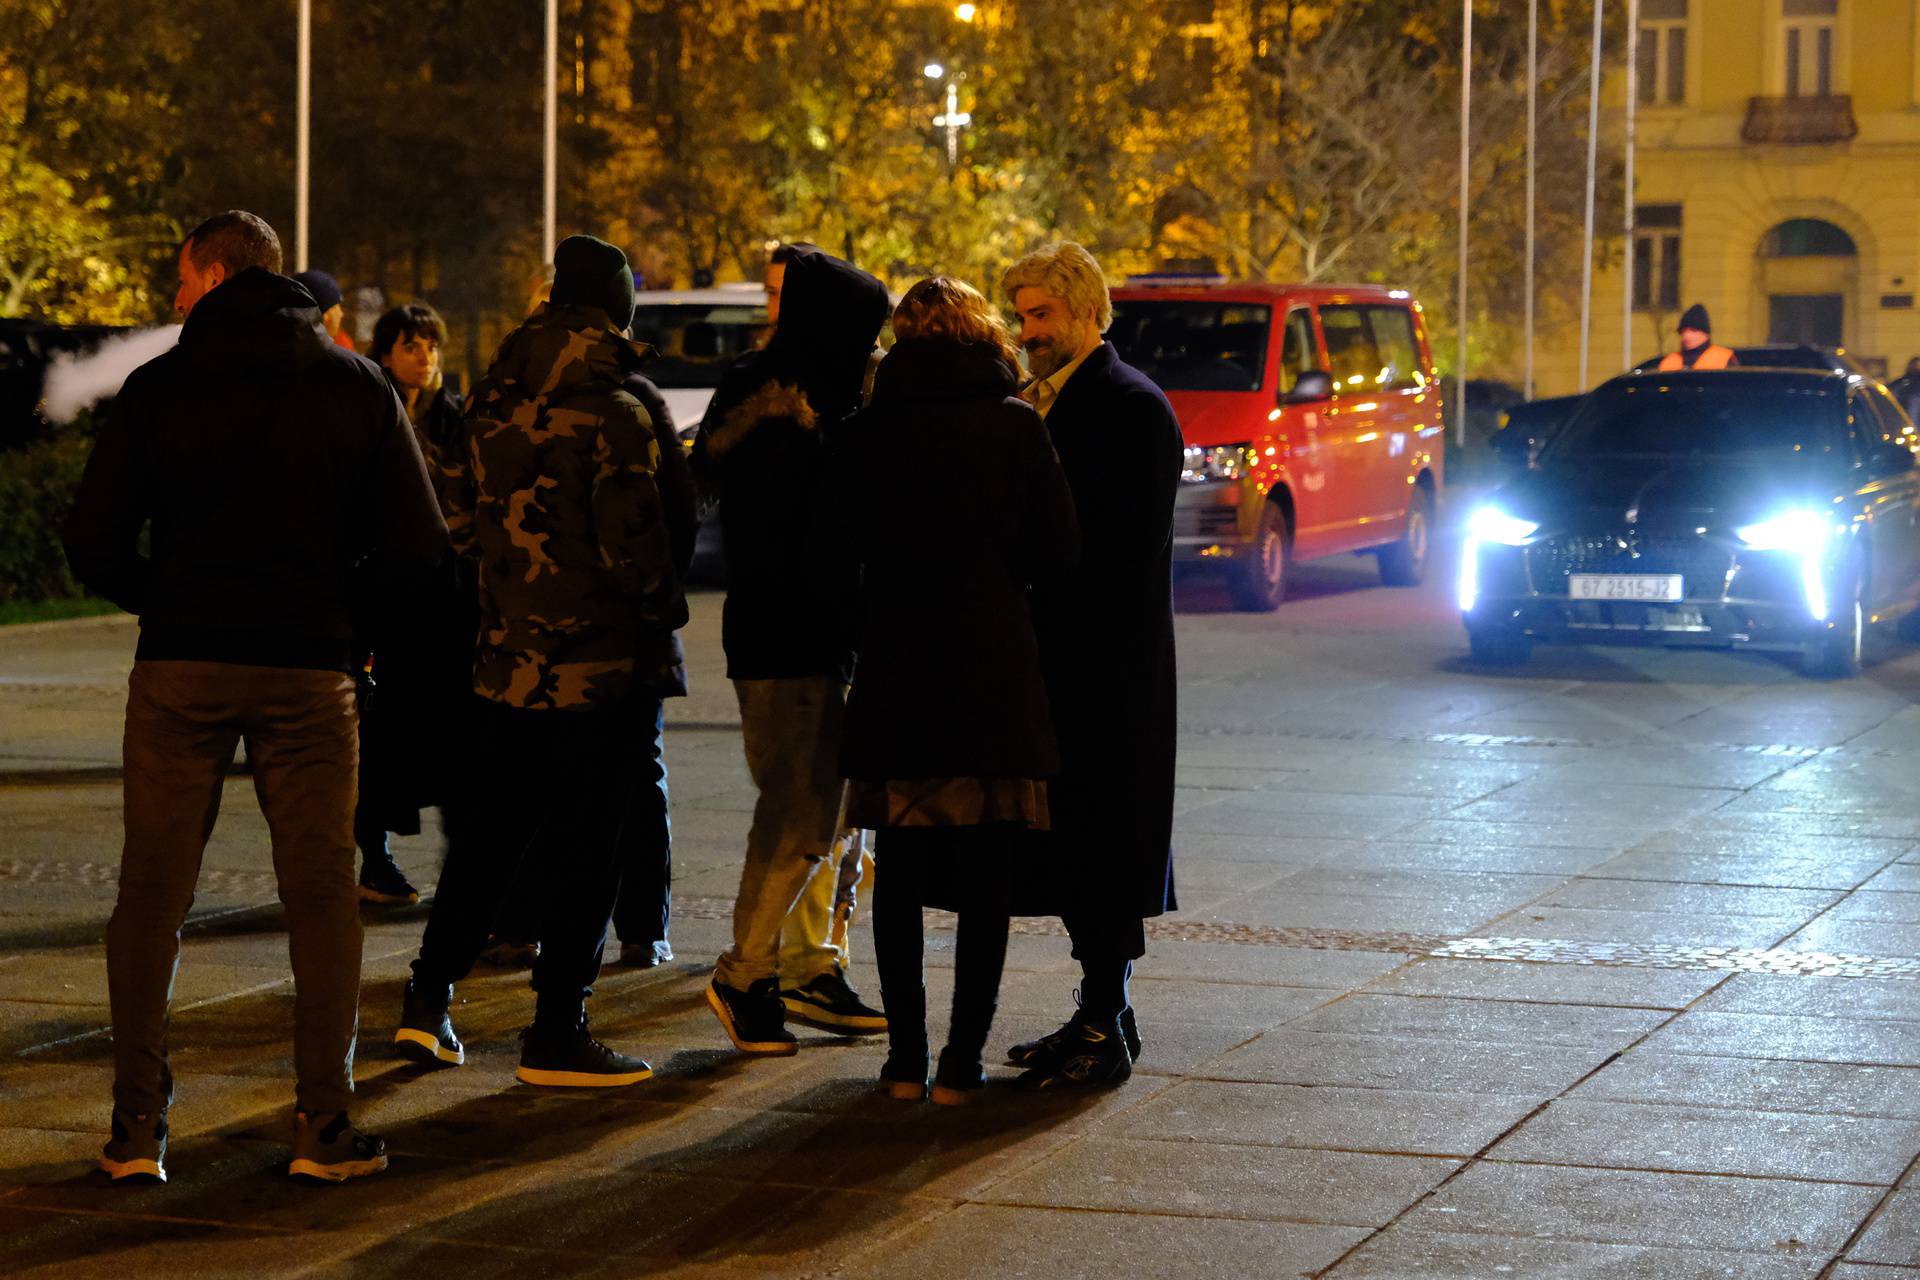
point(1069, 273)
point(942, 307)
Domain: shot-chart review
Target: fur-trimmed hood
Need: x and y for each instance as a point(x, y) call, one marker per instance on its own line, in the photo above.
point(771, 402)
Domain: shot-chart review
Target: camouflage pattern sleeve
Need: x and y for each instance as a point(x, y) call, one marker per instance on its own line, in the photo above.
point(629, 519)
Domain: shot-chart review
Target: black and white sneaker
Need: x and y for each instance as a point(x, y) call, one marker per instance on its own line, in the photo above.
point(755, 1019)
point(828, 1002)
point(1029, 1053)
point(328, 1148)
point(382, 881)
point(426, 1034)
point(570, 1058)
point(1092, 1056)
point(138, 1148)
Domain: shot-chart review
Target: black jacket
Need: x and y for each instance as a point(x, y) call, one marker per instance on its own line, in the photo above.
point(759, 453)
point(270, 462)
point(948, 497)
point(681, 507)
point(1106, 644)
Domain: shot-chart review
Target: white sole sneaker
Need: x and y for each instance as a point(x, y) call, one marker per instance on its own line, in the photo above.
point(119, 1169)
point(815, 1016)
point(337, 1171)
point(423, 1046)
point(580, 1079)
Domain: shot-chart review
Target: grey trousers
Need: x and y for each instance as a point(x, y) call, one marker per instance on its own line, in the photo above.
point(791, 730)
point(184, 721)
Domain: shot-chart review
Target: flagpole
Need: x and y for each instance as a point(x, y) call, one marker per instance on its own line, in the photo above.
point(1593, 158)
point(303, 130)
point(1466, 120)
point(1533, 84)
point(1633, 111)
point(550, 134)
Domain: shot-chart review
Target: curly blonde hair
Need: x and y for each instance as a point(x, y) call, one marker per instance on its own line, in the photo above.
point(941, 307)
point(1068, 272)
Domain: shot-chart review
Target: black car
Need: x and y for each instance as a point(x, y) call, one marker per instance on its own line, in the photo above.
point(1769, 508)
point(1782, 355)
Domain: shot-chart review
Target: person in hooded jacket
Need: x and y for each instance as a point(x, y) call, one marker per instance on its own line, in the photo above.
point(948, 743)
point(269, 463)
point(415, 703)
point(785, 626)
point(557, 501)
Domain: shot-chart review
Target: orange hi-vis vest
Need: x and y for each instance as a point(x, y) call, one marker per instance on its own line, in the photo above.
point(1714, 357)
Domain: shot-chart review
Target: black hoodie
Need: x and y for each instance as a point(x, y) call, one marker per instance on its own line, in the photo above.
point(759, 452)
point(270, 462)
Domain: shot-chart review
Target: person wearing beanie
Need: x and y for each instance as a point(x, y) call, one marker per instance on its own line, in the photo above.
point(559, 498)
point(1697, 347)
point(327, 296)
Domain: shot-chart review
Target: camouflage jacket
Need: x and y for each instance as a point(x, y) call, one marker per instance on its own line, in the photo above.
point(555, 498)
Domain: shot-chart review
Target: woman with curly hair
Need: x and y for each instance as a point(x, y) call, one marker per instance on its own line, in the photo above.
point(951, 502)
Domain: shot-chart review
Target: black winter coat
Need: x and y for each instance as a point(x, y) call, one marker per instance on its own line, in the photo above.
point(949, 498)
point(760, 452)
point(1106, 645)
point(271, 464)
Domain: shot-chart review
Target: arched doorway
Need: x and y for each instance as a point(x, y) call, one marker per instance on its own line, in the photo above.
point(1808, 271)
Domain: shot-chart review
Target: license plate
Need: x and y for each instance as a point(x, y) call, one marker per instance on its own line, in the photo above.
point(1624, 586)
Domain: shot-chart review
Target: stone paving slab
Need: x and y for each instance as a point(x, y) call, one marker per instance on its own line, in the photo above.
point(1815, 1088)
point(1405, 1253)
point(1894, 1236)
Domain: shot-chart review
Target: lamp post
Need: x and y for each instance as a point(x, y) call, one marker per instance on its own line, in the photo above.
point(550, 134)
point(953, 119)
point(303, 131)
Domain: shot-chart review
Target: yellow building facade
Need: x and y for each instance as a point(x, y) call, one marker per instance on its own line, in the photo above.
point(1778, 183)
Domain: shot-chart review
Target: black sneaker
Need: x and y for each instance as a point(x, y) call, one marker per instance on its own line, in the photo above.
point(904, 1074)
point(1090, 1057)
point(382, 881)
point(1029, 1053)
point(755, 1019)
point(138, 1148)
point(570, 1058)
point(828, 1002)
point(329, 1149)
point(645, 955)
point(959, 1078)
point(426, 1031)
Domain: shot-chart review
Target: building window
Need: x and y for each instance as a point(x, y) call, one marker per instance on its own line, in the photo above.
point(1662, 70)
point(1656, 257)
point(1806, 47)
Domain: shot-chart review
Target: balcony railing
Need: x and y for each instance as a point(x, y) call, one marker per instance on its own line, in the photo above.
point(1800, 120)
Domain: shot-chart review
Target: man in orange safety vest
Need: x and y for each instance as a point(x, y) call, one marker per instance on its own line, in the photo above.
point(1697, 350)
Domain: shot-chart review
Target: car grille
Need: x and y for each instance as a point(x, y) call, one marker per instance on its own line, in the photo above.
point(1219, 523)
point(1702, 566)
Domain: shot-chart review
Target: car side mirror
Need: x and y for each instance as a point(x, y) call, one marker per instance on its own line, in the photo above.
point(1311, 387)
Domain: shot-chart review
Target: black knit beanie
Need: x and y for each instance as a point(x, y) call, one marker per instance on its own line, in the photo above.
point(324, 288)
point(587, 271)
point(1696, 318)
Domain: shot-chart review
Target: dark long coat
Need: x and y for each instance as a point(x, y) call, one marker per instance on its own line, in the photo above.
point(948, 496)
point(1106, 646)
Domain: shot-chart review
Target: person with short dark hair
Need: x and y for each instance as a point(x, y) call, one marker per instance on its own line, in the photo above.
point(556, 498)
point(267, 464)
point(415, 706)
point(1698, 350)
point(327, 296)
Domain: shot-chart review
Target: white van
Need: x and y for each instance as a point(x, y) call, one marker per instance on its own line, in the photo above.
point(697, 334)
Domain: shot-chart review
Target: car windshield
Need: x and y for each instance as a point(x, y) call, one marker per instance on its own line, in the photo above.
point(1193, 346)
point(695, 342)
point(1715, 415)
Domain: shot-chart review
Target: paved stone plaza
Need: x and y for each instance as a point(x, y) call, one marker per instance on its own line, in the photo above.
point(1608, 967)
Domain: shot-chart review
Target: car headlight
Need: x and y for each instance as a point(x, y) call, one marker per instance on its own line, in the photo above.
point(1219, 462)
point(1789, 531)
point(1490, 524)
point(1801, 533)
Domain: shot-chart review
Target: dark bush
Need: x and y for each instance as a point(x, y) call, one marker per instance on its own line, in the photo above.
point(37, 484)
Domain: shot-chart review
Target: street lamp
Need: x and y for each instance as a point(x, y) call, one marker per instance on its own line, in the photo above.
point(966, 12)
point(953, 119)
